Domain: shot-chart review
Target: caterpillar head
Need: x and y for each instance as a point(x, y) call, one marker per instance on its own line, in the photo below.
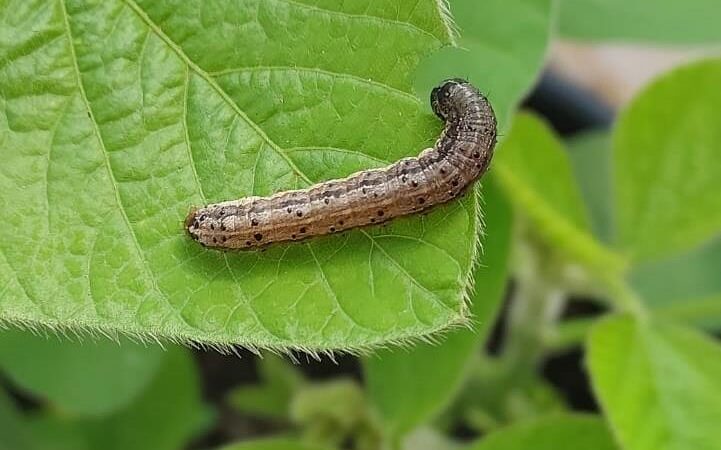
point(205, 225)
point(442, 96)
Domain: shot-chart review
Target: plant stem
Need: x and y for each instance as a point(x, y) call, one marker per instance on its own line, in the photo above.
point(568, 333)
point(622, 297)
point(537, 303)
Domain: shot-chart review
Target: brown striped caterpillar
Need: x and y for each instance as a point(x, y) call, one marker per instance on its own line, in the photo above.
point(439, 174)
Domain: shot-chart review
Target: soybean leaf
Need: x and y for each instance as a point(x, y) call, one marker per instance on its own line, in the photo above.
point(118, 116)
point(590, 156)
point(704, 312)
point(164, 417)
point(503, 60)
point(13, 432)
point(560, 432)
point(693, 21)
point(409, 386)
point(684, 287)
point(29, 431)
point(56, 432)
point(536, 175)
point(666, 164)
point(87, 378)
point(657, 383)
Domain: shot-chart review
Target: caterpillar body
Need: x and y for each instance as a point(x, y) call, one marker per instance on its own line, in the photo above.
point(412, 185)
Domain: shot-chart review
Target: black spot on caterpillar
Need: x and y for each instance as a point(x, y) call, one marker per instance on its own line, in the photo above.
point(412, 185)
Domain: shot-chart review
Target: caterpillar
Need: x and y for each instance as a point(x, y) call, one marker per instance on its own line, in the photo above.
point(411, 185)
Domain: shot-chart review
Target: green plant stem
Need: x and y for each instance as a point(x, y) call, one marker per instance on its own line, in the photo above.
point(536, 307)
point(622, 296)
point(568, 333)
point(537, 303)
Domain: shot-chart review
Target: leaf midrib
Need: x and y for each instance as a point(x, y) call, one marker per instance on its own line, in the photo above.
point(213, 84)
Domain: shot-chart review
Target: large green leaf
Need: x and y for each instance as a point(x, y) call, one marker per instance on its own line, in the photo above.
point(662, 21)
point(667, 165)
point(535, 172)
point(117, 116)
point(658, 384)
point(86, 377)
point(504, 60)
point(562, 432)
point(408, 386)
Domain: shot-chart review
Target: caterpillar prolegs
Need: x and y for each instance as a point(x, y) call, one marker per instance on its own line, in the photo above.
point(412, 185)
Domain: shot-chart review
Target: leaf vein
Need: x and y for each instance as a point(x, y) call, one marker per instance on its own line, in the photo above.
point(213, 84)
point(318, 71)
point(331, 292)
point(403, 271)
point(378, 19)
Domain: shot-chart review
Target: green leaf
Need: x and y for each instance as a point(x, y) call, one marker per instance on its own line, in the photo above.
point(562, 432)
point(272, 398)
point(659, 21)
point(504, 61)
point(13, 432)
point(535, 173)
point(164, 417)
point(20, 431)
point(56, 433)
point(667, 169)
point(544, 167)
point(684, 287)
point(704, 312)
point(657, 383)
point(118, 116)
point(590, 156)
point(89, 378)
point(409, 386)
point(271, 444)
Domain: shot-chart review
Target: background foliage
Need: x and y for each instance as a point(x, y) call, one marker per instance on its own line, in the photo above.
point(117, 116)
